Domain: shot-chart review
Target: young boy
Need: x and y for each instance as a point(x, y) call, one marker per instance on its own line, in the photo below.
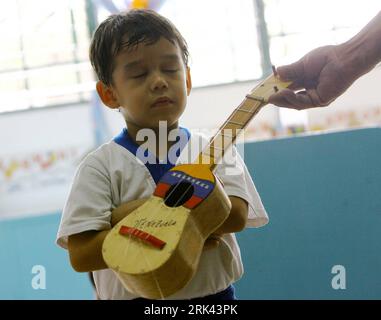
point(141, 61)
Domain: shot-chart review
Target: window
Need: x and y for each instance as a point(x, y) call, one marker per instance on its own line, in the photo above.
point(222, 38)
point(295, 27)
point(44, 53)
point(45, 58)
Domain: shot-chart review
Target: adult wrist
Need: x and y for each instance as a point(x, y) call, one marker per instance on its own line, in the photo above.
point(354, 55)
point(361, 53)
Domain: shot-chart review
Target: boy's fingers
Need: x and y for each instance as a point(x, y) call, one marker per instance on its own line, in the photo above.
point(213, 241)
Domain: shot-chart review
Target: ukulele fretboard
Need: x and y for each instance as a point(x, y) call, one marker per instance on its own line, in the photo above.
point(238, 120)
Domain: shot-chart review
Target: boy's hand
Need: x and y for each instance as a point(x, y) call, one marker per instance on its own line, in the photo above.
point(124, 209)
point(213, 241)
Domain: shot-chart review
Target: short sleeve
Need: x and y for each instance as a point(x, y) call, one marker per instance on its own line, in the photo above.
point(238, 182)
point(88, 206)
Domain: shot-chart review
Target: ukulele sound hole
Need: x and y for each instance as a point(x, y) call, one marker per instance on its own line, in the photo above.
point(178, 194)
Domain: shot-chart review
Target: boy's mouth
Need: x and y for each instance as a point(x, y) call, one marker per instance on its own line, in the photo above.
point(162, 101)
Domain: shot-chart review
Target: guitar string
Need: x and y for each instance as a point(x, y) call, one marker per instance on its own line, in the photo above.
point(176, 204)
point(141, 244)
point(168, 213)
point(210, 143)
point(153, 214)
point(256, 107)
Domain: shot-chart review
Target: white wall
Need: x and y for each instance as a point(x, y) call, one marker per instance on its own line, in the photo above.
point(48, 128)
point(359, 105)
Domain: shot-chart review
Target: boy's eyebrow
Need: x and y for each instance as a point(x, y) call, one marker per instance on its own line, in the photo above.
point(171, 56)
point(132, 64)
point(135, 63)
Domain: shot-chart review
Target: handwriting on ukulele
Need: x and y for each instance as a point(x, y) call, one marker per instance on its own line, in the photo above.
point(154, 223)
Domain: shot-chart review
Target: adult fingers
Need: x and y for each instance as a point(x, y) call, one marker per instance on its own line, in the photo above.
point(289, 99)
point(320, 100)
point(293, 72)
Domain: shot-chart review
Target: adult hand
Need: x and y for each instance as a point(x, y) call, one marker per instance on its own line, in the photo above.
point(320, 75)
point(325, 73)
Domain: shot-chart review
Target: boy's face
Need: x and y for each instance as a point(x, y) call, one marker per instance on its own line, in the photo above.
point(151, 84)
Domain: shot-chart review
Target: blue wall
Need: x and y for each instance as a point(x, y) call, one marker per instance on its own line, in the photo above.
point(323, 196)
point(25, 243)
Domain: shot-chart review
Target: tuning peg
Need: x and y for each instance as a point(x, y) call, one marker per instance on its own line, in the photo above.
point(274, 71)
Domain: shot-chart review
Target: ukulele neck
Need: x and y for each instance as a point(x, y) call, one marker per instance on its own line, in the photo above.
point(214, 151)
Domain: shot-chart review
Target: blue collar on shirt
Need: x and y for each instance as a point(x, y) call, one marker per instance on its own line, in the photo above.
point(156, 169)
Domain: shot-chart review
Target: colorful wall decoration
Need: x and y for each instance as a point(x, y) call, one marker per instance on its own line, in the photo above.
point(40, 179)
point(331, 120)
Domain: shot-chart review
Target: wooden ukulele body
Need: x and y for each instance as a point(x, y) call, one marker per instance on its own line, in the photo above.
point(188, 205)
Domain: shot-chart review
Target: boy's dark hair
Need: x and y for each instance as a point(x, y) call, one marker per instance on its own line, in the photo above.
point(127, 30)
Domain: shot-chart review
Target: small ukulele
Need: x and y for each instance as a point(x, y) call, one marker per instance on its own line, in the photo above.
point(155, 250)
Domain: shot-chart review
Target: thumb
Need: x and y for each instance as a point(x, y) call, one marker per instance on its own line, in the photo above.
point(211, 243)
point(291, 72)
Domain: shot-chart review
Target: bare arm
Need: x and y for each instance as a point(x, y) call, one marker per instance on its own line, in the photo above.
point(85, 248)
point(325, 73)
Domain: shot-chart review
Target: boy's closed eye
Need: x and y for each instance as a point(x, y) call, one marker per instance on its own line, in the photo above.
point(170, 67)
point(171, 70)
point(138, 75)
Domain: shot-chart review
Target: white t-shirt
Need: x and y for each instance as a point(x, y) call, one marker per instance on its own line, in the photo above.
point(112, 175)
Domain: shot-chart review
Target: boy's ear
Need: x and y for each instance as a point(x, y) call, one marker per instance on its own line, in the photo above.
point(107, 95)
point(189, 81)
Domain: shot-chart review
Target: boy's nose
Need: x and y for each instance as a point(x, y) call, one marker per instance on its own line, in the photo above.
point(159, 83)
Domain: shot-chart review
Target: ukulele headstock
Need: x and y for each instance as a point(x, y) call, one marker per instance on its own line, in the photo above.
point(267, 87)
